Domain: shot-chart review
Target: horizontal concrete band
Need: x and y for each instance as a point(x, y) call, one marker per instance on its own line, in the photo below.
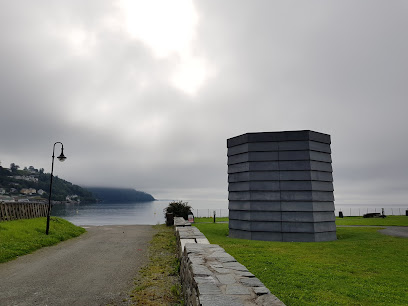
point(275, 216)
point(281, 206)
point(284, 237)
point(279, 146)
point(281, 186)
point(279, 136)
point(302, 165)
point(306, 155)
point(282, 226)
point(306, 175)
point(281, 196)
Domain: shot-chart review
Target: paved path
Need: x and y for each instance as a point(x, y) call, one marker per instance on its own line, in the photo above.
point(396, 231)
point(96, 268)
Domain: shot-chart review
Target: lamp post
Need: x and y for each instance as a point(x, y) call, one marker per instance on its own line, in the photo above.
point(61, 158)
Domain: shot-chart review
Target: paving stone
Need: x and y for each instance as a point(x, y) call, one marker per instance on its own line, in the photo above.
point(221, 300)
point(222, 254)
point(195, 248)
point(216, 265)
point(204, 279)
point(202, 240)
point(261, 290)
point(244, 273)
point(235, 266)
point(227, 259)
point(200, 270)
point(226, 279)
point(221, 270)
point(184, 241)
point(197, 260)
point(237, 289)
point(251, 282)
point(208, 289)
point(268, 300)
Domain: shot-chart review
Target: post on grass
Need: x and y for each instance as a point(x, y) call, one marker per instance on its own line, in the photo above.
point(214, 216)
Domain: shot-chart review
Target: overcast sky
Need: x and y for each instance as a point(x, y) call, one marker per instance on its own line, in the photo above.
point(144, 94)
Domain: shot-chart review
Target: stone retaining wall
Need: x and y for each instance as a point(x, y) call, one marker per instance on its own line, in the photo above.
point(210, 276)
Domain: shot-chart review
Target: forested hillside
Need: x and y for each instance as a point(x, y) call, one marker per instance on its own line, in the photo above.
point(35, 184)
point(120, 195)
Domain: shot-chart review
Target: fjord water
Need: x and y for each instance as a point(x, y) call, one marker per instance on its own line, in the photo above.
point(130, 213)
point(111, 213)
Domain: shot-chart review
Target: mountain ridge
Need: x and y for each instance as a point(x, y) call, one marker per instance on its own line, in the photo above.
point(119, 195)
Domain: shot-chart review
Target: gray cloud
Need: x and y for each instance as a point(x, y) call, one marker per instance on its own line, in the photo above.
point(70, 73)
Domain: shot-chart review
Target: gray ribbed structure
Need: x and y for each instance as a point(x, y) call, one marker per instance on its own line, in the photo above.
point(281, 187)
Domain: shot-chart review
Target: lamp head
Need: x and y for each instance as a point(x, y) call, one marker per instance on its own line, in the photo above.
point(62, 157)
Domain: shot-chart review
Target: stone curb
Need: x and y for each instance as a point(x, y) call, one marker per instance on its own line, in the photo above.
point(211, 276)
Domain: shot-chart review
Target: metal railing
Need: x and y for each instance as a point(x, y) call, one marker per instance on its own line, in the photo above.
point(348, 211)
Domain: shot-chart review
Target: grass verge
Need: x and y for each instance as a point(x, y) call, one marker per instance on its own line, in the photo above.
point(20, 237)
point(210, 220)
point(362, 267)
point(159, 281)
point(388, 221)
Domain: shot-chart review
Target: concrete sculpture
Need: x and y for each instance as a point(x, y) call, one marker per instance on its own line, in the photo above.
point(281, 187)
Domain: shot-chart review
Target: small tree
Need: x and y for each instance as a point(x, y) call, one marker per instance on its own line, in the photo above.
point(14, 167)
point(178, 209)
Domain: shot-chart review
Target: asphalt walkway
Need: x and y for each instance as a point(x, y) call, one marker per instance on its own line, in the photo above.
point(96, 268)
point(396, 231)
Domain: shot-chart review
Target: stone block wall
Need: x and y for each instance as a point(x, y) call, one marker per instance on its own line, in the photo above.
point(212, 277)
point(281, 186)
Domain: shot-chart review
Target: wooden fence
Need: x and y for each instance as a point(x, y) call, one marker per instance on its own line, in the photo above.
point(13, 211)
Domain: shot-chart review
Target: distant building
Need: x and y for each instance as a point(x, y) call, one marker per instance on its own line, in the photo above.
point(72, 198)
point(26, 178)
point(28, 191)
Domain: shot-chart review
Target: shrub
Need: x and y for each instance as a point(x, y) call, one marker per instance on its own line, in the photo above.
point(178, 209)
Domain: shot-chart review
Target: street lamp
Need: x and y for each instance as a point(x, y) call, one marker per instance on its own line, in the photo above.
point(61, 158)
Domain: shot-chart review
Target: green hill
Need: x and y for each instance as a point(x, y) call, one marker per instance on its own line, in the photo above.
point(120, 195)
point(14, 181)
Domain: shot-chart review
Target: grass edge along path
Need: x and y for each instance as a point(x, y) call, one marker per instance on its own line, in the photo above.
point(21, 237)
point(158, 283)
point(363, 267)
point(387, 221)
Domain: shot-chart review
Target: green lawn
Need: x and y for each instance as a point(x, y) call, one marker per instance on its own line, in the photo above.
point(363, 267)
point(210, 220)
point(387, 221)
point(21, 237)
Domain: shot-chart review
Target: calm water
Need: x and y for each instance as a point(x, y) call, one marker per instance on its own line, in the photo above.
point(152, 212)
point(131, 213)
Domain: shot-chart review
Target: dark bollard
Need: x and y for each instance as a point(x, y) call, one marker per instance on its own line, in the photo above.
point(406, 212)
point(341, 214)
point(169, 219)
